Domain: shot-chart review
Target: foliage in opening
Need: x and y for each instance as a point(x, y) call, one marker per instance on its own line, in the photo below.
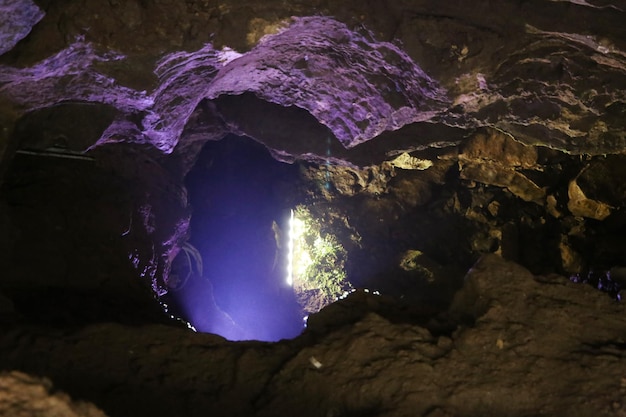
point(319, 259)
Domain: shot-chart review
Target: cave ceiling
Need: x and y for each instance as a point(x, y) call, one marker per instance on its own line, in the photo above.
point(422, 136)
point(334, 83)
point(524, 98)
point(412, 74)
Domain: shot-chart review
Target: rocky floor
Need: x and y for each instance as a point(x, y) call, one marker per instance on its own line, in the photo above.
point(511, 344)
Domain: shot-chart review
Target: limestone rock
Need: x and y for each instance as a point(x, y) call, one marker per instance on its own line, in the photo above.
point(406, 161)
point(22, 395)
point(518, 105)
point(580, 205)
point(597, 195)
point(19, 18)
point(411, 192)
point(510, 338)
point(572, 261)
point(599, 185)
point(494, 158)
point(497, 174)
point(496, 146)
point(351, 90)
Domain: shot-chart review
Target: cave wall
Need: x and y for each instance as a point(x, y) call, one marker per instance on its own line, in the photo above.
point(354, 90)
point(426, 135)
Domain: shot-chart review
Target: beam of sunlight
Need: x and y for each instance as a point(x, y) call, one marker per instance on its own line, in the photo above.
point(290, 250)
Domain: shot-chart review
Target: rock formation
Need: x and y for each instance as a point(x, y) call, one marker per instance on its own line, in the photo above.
point(468, 158)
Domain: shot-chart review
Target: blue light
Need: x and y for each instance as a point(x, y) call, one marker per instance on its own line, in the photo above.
point(236, 277)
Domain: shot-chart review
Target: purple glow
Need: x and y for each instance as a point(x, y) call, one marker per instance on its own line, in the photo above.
point(347, 81)
point(239, 296)
point(69, 76)
point(18, 18)
point(356, 86)
point(239, 228)
point(184, 78)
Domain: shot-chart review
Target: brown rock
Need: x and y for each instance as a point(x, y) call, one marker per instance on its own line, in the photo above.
point(495, 145)
point(495, 173)
point(494, 157)
point(580, 205)
point(518, 337)
point(22, 395)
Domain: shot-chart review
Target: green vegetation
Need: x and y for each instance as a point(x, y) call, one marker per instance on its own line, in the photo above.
point(319, 259)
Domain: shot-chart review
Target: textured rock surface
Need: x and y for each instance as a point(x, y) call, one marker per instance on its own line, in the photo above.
point(423, 135)
point(513, 344)
point(19, 19)
point(357, 87)
point(453, 69)
point(486, 64)
point(24, 396)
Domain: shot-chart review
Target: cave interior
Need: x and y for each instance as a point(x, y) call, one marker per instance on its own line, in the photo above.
point(397, 208)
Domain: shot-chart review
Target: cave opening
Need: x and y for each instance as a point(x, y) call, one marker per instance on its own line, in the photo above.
point(230, 278)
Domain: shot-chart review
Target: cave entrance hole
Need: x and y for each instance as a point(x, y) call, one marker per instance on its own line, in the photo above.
point(231, 277)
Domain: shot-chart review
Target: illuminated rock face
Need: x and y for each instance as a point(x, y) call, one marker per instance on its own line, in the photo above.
point(423, 136)
point(355, 86)
point(352, 84)
point(19, 18)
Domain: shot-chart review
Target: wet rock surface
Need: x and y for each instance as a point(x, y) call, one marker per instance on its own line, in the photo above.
point(430, 139)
